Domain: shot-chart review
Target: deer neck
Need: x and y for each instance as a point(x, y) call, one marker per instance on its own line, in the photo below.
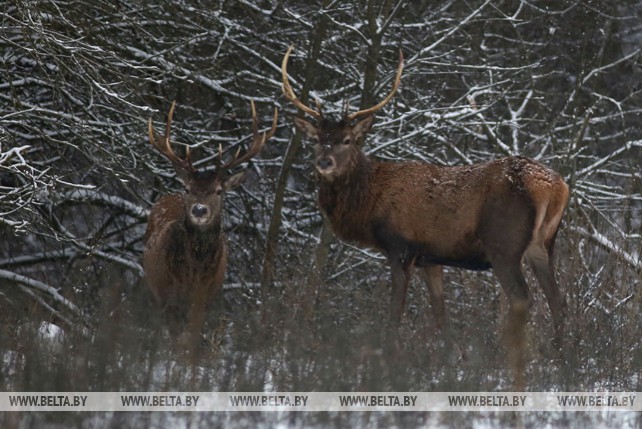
point(199, 246)
point(343, 198)
point(204, 241)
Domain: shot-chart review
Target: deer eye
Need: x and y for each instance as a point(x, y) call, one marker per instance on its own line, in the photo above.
point(347, 140)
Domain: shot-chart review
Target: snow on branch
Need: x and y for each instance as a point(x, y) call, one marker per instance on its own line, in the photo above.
point(210, 83)
point(599, 163)
point(452, 31)
point(42, 287)
point(603, 241)
point(99, 198)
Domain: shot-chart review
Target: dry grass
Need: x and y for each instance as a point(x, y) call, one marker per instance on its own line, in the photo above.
point(331, 336)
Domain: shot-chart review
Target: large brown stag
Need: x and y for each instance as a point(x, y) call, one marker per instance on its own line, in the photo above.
point(480, 216)
point(185, 253)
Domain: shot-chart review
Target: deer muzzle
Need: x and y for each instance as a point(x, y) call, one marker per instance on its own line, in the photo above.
point(200, 214)
point(325, 165)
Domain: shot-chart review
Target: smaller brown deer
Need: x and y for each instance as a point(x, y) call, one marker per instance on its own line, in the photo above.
point(481, 216)
point(185, 253)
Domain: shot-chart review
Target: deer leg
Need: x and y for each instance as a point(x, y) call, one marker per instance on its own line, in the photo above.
point(541, 262)
point(401, 275)
point(194, 328)
point(199, 300)
point(433, 276)
point(512, 281)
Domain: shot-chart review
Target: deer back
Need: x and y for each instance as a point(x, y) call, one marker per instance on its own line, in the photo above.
point(440, 213)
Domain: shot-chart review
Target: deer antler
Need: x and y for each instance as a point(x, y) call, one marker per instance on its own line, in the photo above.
point(290, 96)
point(163, 145)
point(289, 93)
point(257, 142)
point(385, 101)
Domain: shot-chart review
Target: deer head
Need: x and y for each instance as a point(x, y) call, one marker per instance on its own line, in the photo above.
point(204, 189)
point(336, 143)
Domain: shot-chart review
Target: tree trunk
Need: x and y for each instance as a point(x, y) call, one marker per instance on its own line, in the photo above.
point(271, 248)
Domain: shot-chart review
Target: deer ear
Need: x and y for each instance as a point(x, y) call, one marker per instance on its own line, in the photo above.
point(361, 128)
point(306, 127)
point(234, 181)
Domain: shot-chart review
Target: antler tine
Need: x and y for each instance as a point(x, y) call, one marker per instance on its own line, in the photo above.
point(258, 140)
point(385, 101)
point(168, 124)
point(287, 88)
point(163, 144)
point(275, 123)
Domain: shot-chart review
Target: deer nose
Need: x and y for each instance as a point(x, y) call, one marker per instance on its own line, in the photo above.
point(199, 210)
point(325, 163)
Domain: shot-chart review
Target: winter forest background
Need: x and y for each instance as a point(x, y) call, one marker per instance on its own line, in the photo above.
point(558, 81)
